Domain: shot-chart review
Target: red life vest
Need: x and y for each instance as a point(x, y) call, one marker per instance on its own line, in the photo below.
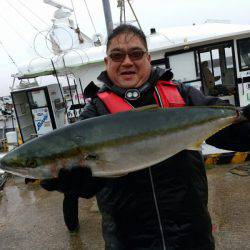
point(166, 95)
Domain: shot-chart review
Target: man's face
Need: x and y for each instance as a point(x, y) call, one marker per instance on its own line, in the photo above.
point(132, 71)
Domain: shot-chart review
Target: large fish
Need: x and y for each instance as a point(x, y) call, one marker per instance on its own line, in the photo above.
point(114, 145)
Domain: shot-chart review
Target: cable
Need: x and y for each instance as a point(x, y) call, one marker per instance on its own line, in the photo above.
point(57, 42)
point(35, 43)
point(74, 13)
point(22, 16)
point(49, 32)
point(90, 16)
point(12, 60)
point(16, 31)
point(25, 18)
point(164, 243)
point(134, 14)
point(68, 68)
point(33, 12)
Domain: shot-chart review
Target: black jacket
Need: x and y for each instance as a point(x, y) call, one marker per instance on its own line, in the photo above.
point(165, 204)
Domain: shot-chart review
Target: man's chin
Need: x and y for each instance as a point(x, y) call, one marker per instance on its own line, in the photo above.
point(128, 83)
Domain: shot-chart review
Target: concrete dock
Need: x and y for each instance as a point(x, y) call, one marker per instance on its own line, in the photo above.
point(31, 218)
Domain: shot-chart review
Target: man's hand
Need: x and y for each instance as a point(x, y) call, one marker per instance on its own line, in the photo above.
point(76, 179)
point(246, 111)
point(62, 183)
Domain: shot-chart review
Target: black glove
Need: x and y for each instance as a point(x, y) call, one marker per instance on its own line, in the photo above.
point(235, 137)
point(77, 179)
point(246, 111)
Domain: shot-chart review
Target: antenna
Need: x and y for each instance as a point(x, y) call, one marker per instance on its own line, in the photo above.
point(57, 5)
point(121, 5)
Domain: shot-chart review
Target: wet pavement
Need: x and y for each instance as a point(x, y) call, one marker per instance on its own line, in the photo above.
point(229, 204)
point(31, 218)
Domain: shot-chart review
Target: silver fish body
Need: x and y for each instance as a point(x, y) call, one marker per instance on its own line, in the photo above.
point(114, 145)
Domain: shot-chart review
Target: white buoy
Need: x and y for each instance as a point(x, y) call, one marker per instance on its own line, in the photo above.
point(12, 140)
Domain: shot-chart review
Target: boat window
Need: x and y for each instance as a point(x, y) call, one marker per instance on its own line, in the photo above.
point(217, 70)
point(216, 66)
point(244, 54)
point(185, 68)
point(37, 98)
point(161, 63)
point(229, 58)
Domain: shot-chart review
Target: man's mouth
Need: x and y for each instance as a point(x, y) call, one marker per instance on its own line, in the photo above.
point(127, 73)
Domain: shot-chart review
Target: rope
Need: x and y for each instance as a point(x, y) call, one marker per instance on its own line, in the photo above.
point(90, 16)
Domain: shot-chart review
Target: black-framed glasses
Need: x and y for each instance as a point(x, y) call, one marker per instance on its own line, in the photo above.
point(134, 55)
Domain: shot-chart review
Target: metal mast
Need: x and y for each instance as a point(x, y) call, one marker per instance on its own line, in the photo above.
point(121, 5)
point(108, 16)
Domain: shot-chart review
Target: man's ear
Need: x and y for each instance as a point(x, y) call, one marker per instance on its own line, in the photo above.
point(106, 62)
point(149, 57)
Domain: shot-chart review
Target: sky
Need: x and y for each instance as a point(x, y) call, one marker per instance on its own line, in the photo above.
point(23, 21)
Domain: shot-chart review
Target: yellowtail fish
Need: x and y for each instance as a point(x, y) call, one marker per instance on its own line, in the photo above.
point(115, 145)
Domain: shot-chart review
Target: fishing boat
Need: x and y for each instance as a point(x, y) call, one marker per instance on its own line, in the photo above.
point(224, 46)
point(3, 175)
point(8, 122)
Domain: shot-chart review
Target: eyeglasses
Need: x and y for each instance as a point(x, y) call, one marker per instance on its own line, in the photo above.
point(134, 55)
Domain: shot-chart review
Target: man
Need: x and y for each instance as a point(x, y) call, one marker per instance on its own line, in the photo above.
point(164, 206)
point(209, 79)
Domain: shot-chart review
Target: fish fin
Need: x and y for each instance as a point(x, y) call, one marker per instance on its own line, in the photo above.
point(195, 146)
point(148, 107)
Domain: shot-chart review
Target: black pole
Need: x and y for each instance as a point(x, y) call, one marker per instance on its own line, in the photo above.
point(77, 96)
point(108, 16)
point(80, 82)
point(72, 101)
point(12, 121)
point(64, 102)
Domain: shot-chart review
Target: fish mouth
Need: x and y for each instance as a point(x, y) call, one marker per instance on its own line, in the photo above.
point(16, 170)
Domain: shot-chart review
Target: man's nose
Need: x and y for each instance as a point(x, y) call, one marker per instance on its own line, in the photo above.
point(127, 60)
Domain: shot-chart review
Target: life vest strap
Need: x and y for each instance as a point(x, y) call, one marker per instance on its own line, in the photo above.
point(169, 95)
point(166, 96)
point(113, 102)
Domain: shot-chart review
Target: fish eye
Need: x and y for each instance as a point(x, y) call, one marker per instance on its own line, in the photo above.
point(91, 156)
point(31, 163)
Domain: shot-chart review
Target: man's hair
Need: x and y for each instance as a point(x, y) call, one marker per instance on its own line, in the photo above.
point(127, 28)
